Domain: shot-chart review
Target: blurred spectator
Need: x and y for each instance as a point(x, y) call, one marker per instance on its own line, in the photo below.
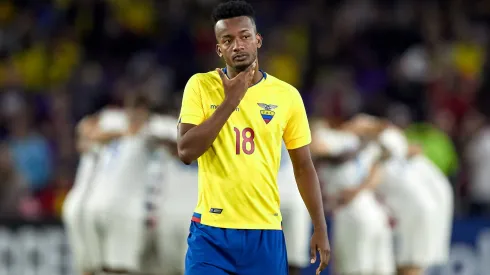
point(30, 150)
point(477, 155)
point(436, 145)
point(13, 189)
point(51, 198)
point(415, 61)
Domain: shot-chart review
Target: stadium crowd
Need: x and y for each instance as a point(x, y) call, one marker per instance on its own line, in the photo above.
point(421, 64)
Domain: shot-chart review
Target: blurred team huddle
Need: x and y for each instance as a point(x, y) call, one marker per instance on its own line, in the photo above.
point(131, 205)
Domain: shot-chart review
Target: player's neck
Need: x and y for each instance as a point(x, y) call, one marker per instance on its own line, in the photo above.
point(135, 126)
point(231, 73)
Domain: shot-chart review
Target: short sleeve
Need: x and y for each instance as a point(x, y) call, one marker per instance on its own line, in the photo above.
point(113, 121)
point(191, 111)
point(297, 132)
point(163, 127)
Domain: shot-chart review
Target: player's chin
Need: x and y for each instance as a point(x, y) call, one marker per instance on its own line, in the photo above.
point(242, 65)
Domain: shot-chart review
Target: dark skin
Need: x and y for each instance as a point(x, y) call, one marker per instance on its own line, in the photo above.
point(237, 43)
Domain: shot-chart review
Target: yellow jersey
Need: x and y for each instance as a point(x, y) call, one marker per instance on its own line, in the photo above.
point(238, 174)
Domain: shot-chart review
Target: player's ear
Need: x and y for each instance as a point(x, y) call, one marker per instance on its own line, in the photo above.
point(218, 51)
point(259, 38)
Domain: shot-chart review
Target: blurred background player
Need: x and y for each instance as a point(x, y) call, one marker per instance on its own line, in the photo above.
point(440, 191)
point(111, 123)
point(296, 222)
point(75, 199)
point(125, 233)
point(95, 131)
point(432, 181)
point(402, 186)
point(351, 170)
point(174, 211)
point(167, 222)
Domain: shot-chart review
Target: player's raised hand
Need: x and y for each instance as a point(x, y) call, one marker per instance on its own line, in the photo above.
point(347, 195)
point(320, 243)
point(235, 88)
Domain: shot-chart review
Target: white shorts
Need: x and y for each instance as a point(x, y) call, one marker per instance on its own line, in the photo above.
point(124, 236)
point(439, 188)
point(73, 211)
point(92, 217)
point(362, 238)
point(414, 210)
point(72, 220)
point(296, 223)
point(179, 198)
point(172, 232)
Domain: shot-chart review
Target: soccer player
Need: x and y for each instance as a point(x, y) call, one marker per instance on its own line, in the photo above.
point(166, 207)
point(111, 122)
point(441, 192)
point(295, 218)
point(402, 185)
point(174, 213)
point(125, 233)
point(361, 226)
point(73, 204)
point(232, 122)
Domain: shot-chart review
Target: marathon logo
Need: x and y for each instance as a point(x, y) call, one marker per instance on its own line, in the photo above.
point(216, 210)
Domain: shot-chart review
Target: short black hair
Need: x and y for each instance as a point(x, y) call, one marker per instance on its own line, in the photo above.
point(137, 100)
point(231, 9)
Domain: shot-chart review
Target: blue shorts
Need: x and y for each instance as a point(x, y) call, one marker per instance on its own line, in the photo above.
point(222, 251)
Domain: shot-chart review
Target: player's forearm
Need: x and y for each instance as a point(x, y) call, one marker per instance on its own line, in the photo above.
point(83, 145)
point(413, 150)
point(105, 137)
point(170, 145)
point(309, 188)
point(374, 178)
point(196, 141)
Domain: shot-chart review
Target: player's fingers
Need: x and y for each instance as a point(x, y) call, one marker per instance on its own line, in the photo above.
point(320, 268)
point(312, 254)
point(252, 66)
point(222, 75)
point(251, 72)
point(323, 261)
point(324, 257)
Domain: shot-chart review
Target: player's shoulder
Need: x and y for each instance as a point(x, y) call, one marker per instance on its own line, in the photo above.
point(160, 119)
point(394, 140)
point(163, 126)
point(205, 79)
point(109, 111)
point(281, 85)
point(112, 119)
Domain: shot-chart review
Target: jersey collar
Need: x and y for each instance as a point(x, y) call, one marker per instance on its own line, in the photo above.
point(264, 76)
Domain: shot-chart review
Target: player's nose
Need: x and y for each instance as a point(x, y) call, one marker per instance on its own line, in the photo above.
point(238, 46)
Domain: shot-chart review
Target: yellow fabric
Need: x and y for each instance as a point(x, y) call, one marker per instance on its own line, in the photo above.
point(136, 15)
point(277, 64)
point(468, 58)
point(32, 66)
point(64, 60)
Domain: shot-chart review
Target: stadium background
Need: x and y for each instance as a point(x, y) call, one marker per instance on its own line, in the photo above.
point(421, 63)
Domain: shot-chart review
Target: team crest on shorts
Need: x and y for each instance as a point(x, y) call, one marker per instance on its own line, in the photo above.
point(267, 114)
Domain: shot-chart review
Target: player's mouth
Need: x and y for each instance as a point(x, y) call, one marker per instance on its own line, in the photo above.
point(240, 57)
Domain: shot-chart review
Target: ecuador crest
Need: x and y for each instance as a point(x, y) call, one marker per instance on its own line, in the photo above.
point(267, 113)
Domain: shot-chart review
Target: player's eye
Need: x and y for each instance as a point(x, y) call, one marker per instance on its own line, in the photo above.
point(227, 41)
point(246, 36)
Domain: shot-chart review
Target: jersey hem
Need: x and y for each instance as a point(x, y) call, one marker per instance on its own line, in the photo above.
point(190, 119)
point(297, 143)
point(246, 227)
